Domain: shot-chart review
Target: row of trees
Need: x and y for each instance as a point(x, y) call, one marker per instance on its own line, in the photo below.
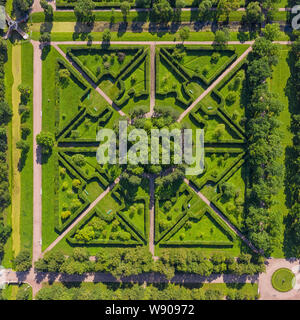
point(134, 261)
point(5, 117)
point(136, 291)
point(293, 168)
point(263, 221)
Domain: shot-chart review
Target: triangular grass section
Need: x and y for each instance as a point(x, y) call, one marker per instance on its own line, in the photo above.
point(217, 166)
point(233, 207)
point(203, 59)
point(103, 228)
point(99, 60)
point(234, 94)
point(70, 92)
point(205, 230)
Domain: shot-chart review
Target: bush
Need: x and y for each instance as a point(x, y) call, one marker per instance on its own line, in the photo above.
point(22, 262)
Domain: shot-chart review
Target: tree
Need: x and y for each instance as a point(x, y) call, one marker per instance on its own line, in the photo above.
point(83, 11)
point(106, 35)
point(226, 6)
point(48, 10)
point(143, 3)
point(125, 9)
point(163, 11)
point(64, 76)
point(5, 112)
point(259, 71)
point(23, 146)
point(222, 37)
point(45, 37)
point(263, 48)
point(22, 5)
point(184, 33)
point(204, 8)
point(46, 141)
point(22, 261)
point(254, 14)
point(272, 31)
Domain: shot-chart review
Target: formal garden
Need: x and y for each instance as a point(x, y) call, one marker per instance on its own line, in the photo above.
point(75, 111)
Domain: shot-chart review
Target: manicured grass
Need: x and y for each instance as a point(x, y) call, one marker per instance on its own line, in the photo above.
point(48, 120)
point(278, 85)
point(27, 171)
point(16, 154)
point(283, 280)
point(8, 253)
point(63, 35)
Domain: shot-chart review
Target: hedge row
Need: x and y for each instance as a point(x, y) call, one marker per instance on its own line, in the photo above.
point(182, 217)
point(141, 238)
point(209, 80)
point(99, 4)
point(216, 180)
point(86, 70)
point(81, 172)
point(59, 225)
point(205, 244)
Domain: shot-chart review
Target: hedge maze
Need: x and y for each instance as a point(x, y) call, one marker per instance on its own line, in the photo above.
point(122, 73)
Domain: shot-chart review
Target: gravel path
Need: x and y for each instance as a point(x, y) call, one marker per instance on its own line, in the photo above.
point(37, 167)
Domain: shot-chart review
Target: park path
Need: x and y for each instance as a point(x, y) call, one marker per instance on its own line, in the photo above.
point(37, 157)
point(74, 223)
point(15, 155)
point(37, 278)
point(152, 78)
point(158, 42)
point(89, 80)
point(214, 84)
point(220, 214)
point(151, 212)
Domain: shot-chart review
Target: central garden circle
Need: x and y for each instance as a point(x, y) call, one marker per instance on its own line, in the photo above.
point(283, 280)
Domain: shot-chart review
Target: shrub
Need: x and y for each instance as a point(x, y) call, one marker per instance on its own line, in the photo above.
point(79, 160)
point(231, 98)
point(65, 214)
point(205, 71)
point(76, 183)
point(215, 57)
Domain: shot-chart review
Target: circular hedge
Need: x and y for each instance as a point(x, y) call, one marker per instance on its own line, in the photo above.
point(283, 280)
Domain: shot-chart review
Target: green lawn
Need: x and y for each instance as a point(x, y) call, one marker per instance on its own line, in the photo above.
point(8, 254)
point(27, 171)
point(283, 280)
point(278, 85)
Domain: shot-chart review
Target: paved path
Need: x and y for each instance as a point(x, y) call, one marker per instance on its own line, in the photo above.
point(151, 212)
point(152, 78)
point(214, 84)
point(90, 207)
point(158, 42)
point(220, 214)
point(87, 78)
point(267, 292)
point(37, 167)
point(37, 278)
